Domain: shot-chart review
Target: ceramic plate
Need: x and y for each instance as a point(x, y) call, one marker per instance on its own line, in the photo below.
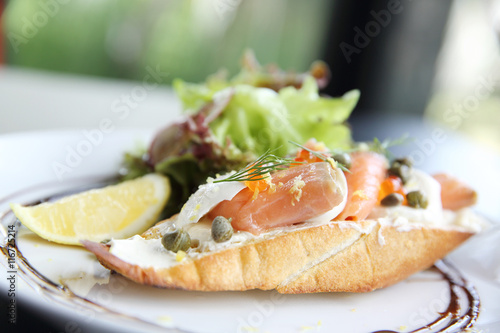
point(69, 284)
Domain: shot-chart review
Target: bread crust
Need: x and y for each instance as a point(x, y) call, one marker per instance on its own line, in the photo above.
point(335, 257)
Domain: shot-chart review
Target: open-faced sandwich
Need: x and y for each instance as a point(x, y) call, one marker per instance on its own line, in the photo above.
point(328, 215)
point(308, 226)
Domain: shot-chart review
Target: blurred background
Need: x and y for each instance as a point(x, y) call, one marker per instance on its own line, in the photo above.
point(407, 57)
point(63, 63)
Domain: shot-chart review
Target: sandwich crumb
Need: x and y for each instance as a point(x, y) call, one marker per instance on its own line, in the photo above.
point(180, 255)
point(166, 319)
point(361, 194)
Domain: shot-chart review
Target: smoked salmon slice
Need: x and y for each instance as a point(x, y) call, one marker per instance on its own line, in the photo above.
point(298, 194)
point(368, 170)
point(455, 194)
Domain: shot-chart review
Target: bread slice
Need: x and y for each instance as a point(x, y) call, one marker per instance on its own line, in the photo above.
point(341, 256)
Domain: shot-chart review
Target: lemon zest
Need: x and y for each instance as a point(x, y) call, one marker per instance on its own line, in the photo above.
point(332, 162)
point(272, 188)
point(180, 255)
point(361, 194)
point(255, 193)
point(296, 189)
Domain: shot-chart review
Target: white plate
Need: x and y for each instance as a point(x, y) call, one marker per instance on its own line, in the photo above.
point(67, 282)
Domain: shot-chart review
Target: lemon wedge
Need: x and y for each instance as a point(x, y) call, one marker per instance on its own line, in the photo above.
point(115, 211)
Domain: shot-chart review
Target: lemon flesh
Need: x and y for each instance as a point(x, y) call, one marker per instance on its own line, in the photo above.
point(115, 211)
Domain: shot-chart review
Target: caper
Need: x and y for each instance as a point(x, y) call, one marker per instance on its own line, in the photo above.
point(400, 170)
point(393, 199)
point(222, 230)
point(417, 199)
point(344, 159)
point(404, 160)
point(177, 240)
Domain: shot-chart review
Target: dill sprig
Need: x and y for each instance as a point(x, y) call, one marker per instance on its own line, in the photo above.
point(321, 155)
point(259, 169)
point(382, 147)
point(268, 162)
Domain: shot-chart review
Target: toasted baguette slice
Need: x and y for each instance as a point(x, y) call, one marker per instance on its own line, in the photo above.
point(334, 257)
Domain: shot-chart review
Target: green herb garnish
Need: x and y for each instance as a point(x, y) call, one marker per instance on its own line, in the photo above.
point(259, 169)
point(382, 147)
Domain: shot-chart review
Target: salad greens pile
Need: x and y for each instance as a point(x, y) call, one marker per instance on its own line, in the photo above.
point(230, 122)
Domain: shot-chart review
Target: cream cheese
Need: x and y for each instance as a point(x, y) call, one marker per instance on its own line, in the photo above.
point(403, 215)
point(466, 219)
point(205, 198)
point(143, 252)
point(405, 218)
point(151, 253)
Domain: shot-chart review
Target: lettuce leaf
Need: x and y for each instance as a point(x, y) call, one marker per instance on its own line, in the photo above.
point(257, 119)
point(320, 117)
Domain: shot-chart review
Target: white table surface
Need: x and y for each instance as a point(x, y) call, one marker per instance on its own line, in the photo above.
point(36, 100)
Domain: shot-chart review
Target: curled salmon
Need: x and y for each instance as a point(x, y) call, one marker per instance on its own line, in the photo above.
point(368, 170)
point(454, 193)
point(296, 195)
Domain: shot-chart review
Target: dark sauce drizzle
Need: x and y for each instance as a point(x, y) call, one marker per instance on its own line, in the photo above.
point(451, 319)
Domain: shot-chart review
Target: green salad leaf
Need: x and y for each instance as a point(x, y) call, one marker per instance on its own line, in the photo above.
point(257, 119)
